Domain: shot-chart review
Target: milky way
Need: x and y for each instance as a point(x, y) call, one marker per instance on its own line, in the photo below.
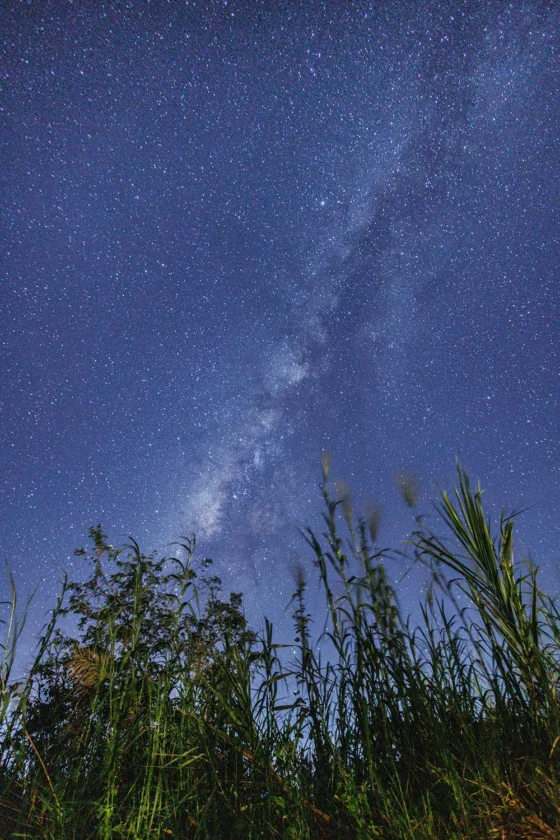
point(239, 235)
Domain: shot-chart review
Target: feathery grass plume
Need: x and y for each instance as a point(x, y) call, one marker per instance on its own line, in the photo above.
point(408, 487)
point(87, 667)
point(326, 462)
point(343, 490)
point(373, 519)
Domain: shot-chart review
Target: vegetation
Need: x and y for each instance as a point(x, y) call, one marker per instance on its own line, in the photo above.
point(166, 716)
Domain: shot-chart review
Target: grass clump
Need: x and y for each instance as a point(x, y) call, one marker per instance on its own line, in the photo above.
point(165, 715)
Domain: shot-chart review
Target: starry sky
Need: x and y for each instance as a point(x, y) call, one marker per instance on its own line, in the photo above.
point(238, 234)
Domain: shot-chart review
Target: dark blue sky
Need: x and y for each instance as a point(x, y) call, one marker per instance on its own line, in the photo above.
point(236, 234)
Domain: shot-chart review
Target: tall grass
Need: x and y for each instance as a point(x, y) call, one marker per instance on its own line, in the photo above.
point(166, 716)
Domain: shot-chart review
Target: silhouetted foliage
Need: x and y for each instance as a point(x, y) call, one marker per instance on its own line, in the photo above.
point(164, 715)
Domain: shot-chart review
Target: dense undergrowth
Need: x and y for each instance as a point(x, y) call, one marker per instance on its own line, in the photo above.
point(167, 717)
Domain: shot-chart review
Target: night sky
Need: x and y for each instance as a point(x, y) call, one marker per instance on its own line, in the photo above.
point(238, 234)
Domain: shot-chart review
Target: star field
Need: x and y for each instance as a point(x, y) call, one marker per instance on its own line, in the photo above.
point(237, 235)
